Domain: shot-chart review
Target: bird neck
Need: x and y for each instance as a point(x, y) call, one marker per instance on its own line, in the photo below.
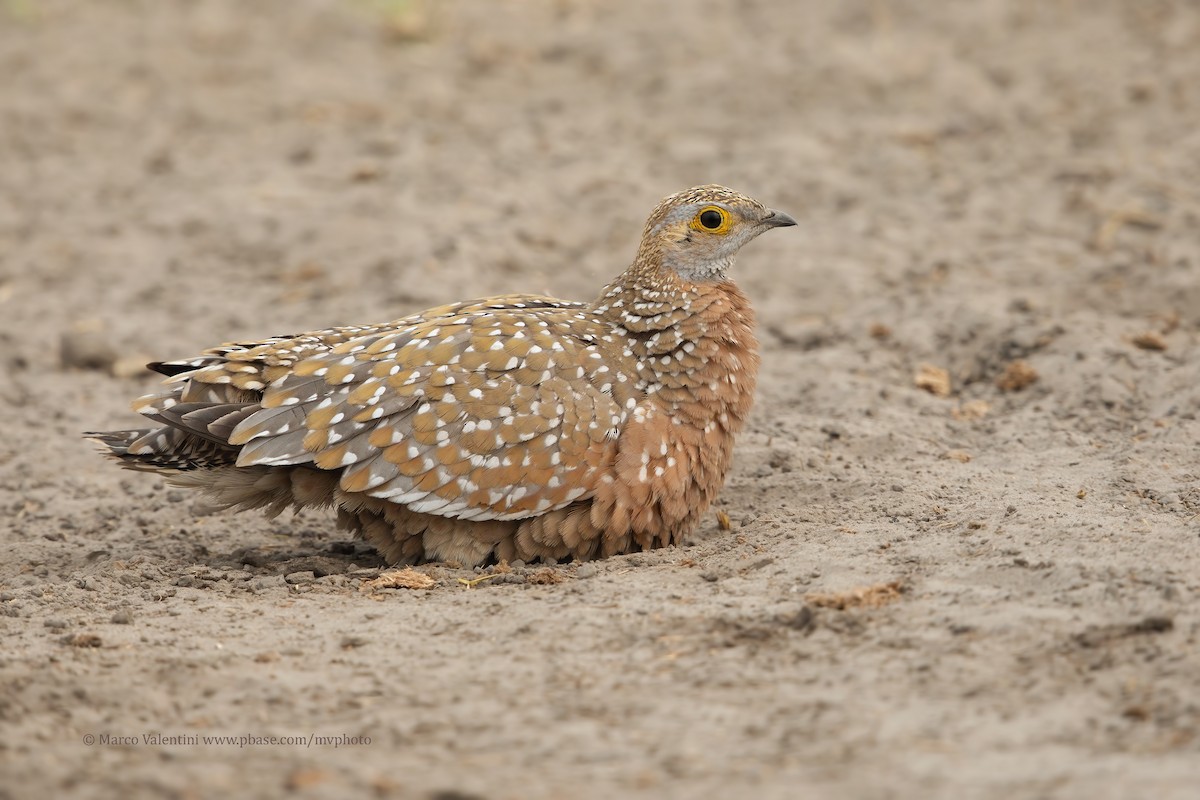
point(692, 343)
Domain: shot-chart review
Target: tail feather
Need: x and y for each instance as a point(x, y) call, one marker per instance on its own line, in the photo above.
point(170, 368)
point(164, 450)
point(212, 421)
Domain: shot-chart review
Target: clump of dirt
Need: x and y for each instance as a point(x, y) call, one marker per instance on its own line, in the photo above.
point(874, 596)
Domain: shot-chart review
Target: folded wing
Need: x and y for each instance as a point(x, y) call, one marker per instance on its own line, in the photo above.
point(501, 409)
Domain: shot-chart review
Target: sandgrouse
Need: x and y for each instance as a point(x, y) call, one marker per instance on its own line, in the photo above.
point(513, 427)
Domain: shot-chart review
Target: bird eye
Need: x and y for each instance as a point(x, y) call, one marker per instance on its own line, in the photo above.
point(712, 219)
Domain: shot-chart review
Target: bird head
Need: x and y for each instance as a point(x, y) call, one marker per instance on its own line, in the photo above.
point(698, 232)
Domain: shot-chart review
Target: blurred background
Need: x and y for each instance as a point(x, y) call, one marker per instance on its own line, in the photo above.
point(213, 168)
point(979, 378)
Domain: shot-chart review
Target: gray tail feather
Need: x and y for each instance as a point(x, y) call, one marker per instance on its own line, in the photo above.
point(164, 450)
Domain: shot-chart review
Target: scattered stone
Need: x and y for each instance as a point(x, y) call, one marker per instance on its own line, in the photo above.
point(1137, 713)
point(1016, 376)
point(875, 596)
point(122, 617)
point(319, 565)
point(82, 640)
point(301, 779)
point(87, 349)
point(586, 571)
point(298, 578)
point(56, 624)
point(407, 578)
point(1097, 635)
point(781, 460)
point(546, 576)
point(129, 366)
point(833, 431)
point(1150, 340)
point(407, 22)
point(250, 557)
point(802, 620)
point(971, 410)
point(1153, 624)
point(934, 380)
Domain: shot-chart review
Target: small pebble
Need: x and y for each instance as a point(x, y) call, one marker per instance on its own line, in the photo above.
point(585, 571)
point(128, 366)
point(83, 640)
point(122, 617)
point(87, 350)
point(296, 578)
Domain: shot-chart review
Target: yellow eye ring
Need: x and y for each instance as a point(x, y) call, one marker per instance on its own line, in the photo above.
point(712, 219)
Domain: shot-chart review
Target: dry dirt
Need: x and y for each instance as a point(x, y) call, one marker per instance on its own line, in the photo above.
point(983, 586)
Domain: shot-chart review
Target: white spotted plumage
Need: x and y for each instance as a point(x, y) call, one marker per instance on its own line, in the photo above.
point(531, 427)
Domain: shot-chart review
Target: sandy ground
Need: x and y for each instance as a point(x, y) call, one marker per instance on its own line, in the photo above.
point(986, 587)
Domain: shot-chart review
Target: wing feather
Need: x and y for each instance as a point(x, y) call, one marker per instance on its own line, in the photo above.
point(498, 409)
point(439, 413)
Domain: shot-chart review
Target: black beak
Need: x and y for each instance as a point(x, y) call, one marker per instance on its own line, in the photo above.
point(778, 219)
